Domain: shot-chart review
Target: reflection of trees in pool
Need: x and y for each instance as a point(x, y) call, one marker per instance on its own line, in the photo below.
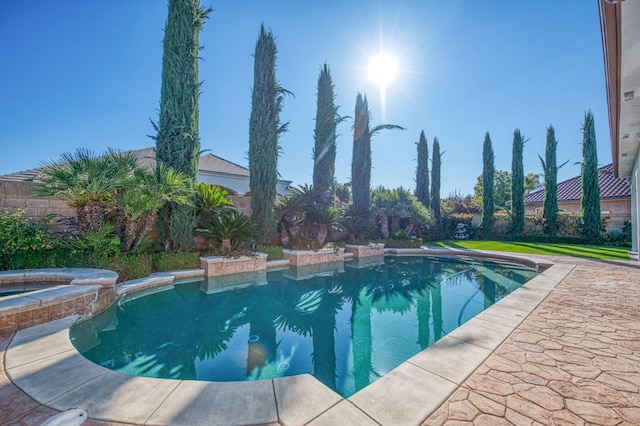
point(171, 350)
point(308, 308)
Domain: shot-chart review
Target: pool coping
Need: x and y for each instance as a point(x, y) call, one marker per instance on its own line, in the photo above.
point(43, 363)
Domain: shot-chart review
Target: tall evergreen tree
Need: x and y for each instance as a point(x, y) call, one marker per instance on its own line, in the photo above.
point(327, 118)
point(517, 183)
point(590, 200)
point(488, 171)
point(422, 172)
point(177, 139)
point(549, 165)
point(361, 159)
point(264, 130)
point(436, 161)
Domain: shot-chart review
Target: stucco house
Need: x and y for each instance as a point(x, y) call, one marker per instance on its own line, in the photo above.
point(615, 198)
point(620, 28)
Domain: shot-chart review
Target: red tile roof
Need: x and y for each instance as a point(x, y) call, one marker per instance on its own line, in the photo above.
point(571, 190)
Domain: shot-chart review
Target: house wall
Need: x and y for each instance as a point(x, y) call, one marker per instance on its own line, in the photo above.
point(15, 194)
point(635, 205)
point(615, 212)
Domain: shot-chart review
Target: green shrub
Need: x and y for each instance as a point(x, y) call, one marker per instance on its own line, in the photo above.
point(272, 252)
point(19, 235)
point(129, 266)
point(176, 261)
point(403, 243)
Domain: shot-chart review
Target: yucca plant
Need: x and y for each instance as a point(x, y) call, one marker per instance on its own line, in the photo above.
point(230, 229)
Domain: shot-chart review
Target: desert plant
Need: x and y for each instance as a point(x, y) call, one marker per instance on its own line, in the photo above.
point(138, 206)
point(211, 200)
point(88, 182)
point(230, 230)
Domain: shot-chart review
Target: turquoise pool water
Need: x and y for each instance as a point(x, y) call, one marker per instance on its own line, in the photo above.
point(345, 328)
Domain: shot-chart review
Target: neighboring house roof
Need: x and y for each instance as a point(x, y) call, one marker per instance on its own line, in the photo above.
point(571, 189)
point(147, 159)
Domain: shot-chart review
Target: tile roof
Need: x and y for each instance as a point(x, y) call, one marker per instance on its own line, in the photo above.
point(571, 190)
point(147, 159)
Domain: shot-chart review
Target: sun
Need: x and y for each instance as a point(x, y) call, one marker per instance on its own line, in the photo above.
point(382, 69)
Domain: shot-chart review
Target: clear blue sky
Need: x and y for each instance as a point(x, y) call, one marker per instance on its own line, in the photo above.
point(87, 74)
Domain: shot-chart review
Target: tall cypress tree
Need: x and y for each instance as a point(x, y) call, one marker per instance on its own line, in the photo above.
point(177, 139)
point(517, 183)
point(488, 171)
point(264, 131)
point(361, 159)
point(550, 167)
point(435, 183)
point(590, 199)
point(327, 118)
point(422, 172)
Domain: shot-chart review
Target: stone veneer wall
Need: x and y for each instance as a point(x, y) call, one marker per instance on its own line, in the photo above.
point(87, 305)
point(217, 265)
point(310, 257)
point(365, 250)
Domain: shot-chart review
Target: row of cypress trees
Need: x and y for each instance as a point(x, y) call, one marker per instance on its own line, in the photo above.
point(429, 197)
point(590, 198)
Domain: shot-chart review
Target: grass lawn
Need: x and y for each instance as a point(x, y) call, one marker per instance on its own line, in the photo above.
point(576, 250)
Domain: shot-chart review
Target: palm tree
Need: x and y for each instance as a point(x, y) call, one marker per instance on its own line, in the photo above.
point(361, 160)
point(138, 206)
point(88, 182)
point(211, 200)
point(231, 229)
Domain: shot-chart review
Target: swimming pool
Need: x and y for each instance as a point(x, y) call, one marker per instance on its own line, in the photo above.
point(346, 328)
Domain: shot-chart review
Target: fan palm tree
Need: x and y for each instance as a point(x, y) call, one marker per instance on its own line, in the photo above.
point(88, 182)
point(138, 206)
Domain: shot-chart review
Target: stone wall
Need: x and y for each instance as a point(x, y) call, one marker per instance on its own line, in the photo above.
point(15, 194)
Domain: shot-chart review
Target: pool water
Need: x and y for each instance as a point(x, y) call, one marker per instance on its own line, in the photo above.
point(345, 328)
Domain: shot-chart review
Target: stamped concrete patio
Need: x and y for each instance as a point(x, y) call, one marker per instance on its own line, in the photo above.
point(573, 358)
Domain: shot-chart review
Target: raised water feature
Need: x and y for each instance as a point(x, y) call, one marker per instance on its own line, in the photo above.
point(346, 328)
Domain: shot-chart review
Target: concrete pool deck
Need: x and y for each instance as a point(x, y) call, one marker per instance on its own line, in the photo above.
point(564, 348)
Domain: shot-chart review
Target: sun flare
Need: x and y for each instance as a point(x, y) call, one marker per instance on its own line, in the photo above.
point(382, 69)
